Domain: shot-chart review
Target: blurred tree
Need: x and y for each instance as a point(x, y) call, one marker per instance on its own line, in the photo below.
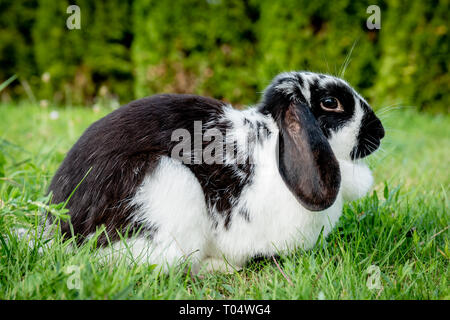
point(16, 50)
point(94, 60)
point(414, 61)
point(225, 49)
point(196, 46)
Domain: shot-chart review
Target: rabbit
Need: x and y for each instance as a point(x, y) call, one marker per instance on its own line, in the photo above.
point(291, 161)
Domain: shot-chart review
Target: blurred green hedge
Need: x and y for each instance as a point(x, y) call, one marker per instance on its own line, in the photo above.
point(226, 49)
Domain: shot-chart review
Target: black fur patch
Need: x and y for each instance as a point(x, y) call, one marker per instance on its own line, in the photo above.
point(222, 185)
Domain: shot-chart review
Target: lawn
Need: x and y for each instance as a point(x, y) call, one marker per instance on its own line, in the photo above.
point(392, 244)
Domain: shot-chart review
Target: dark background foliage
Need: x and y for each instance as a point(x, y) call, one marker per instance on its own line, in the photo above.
point(225, 49)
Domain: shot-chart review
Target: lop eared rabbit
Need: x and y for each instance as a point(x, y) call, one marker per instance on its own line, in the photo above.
point(299, 154)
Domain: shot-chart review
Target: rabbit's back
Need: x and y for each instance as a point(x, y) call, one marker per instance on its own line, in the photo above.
point(102, 171)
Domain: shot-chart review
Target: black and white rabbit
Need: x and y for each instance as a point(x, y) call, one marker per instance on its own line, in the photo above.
point(294, 160)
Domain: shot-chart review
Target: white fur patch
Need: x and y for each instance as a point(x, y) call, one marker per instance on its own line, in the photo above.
point(171, 199)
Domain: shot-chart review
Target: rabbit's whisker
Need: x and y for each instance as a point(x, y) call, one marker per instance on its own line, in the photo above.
point(347, 60)
point(389, 108)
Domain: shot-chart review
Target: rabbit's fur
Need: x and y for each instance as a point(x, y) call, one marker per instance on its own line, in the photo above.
point(290, 166)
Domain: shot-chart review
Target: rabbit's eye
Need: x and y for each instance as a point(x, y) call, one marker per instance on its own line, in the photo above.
point(331, 104)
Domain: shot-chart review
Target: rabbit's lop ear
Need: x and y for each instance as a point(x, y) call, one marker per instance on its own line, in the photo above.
point(306, 161)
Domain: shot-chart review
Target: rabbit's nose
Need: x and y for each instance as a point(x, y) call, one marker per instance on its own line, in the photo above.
point(382, 132)
point(376, 127)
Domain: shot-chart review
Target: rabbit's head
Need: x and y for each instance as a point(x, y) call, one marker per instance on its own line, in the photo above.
point(321, 119)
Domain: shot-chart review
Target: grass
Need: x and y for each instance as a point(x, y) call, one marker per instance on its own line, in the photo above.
point(401, 227)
